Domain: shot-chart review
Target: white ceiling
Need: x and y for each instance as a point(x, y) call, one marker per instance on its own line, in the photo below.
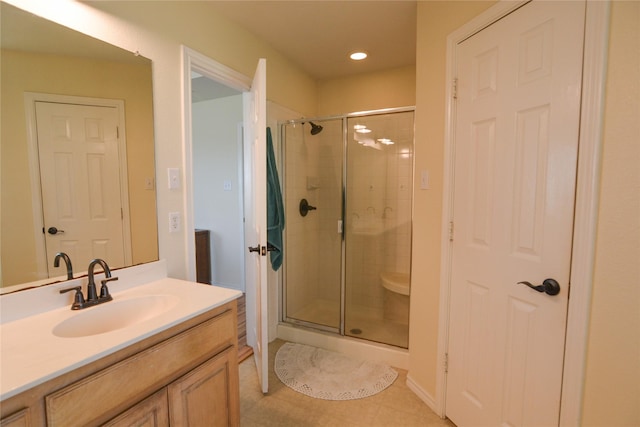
point(318, 35)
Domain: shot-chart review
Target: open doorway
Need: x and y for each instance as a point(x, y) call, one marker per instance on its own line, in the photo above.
point(217, 115)
point(217, 173)
point(251, 164)
point(214, 178)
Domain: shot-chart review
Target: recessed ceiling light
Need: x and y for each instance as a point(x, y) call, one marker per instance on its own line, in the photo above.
point(358, 56)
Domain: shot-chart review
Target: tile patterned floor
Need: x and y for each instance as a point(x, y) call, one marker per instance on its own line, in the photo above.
point(397, 406)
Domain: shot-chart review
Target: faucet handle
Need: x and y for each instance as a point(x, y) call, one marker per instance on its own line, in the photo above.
point(104, 291)
point(78, 298)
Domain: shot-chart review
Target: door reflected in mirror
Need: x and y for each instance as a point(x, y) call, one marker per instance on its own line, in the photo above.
point(44, 63)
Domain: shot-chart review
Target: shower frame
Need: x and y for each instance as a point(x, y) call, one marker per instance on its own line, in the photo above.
point(340, 330)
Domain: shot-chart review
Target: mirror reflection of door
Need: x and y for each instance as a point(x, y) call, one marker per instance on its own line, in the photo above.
point(81, 203)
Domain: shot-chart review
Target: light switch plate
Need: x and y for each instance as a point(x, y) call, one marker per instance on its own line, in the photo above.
point(174, 178)
point(424, 179)
point(148, 183)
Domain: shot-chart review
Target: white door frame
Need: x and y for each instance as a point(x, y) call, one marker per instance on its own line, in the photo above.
point(586, 208)
point(30, 99)
point(193, 60)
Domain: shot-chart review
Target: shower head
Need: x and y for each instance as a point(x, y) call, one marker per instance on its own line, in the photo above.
point(315, 129)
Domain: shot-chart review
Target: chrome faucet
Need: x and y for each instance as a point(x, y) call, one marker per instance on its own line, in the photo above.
point(92, 299)
point(67, 262)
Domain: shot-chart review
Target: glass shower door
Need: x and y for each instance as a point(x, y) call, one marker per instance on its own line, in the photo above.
point(313, 209)
point(378, 227)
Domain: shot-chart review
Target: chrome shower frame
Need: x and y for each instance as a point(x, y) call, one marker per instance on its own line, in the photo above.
point(283, 318)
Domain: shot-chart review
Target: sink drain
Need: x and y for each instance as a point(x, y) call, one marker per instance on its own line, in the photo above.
point(356, 331)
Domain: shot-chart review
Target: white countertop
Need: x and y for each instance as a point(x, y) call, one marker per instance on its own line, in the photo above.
point(30, 353)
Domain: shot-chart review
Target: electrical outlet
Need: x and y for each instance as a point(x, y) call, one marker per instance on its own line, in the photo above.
point(227, 185)
point(174, 222)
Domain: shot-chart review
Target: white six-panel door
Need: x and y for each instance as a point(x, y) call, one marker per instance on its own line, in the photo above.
point(516, 141)
point(80, 182)
point(255, 191)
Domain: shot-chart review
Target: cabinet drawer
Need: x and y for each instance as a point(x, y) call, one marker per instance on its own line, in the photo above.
point(106, 393)
point(151, 412)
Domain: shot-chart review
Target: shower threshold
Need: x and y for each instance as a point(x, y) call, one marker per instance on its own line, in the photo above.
point(356, 347)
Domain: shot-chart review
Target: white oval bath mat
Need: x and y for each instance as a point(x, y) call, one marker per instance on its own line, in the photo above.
point(328, 375)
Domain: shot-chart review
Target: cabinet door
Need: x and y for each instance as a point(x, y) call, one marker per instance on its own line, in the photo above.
point(19, 419)
point(151, 412)
point(209, 395)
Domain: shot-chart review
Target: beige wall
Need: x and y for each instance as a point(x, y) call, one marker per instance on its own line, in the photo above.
point(612, 371)
point(372, 91)
point(157, 30)
point(436, 20)
point(28, 72)
point(160, 28)
point(199, 26)
point(612, 386)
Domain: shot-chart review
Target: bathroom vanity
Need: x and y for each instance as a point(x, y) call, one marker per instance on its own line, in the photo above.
point(171, 360)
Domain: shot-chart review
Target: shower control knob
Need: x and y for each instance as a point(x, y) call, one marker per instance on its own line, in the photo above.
point(305, 207)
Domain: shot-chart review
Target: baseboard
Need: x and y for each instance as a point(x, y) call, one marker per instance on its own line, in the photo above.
point(423, 395)
point(244, 352)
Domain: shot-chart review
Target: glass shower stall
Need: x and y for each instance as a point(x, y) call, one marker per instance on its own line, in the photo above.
point(348, 185)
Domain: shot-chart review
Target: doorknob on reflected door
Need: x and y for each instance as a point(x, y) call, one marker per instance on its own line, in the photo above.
point(549, 286)
point(54, 230)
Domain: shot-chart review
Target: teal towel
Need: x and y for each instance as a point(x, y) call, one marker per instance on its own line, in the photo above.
point(275, 208)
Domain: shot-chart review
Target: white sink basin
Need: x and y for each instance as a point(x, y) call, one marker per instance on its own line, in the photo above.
point(114, 315)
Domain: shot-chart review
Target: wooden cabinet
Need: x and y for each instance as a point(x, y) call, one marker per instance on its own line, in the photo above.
point(151, 412)
point(190, 398)
point(203, 256)
point(19, 419)
point(203, 397)
point(185, 376)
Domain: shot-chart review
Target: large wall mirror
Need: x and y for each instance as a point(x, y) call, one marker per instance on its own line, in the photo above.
point(58, 84)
